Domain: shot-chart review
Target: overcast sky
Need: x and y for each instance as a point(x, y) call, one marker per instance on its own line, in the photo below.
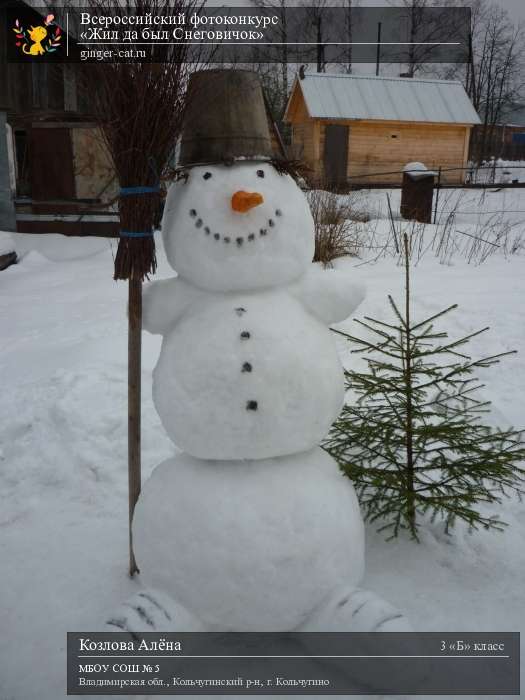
point(516, 8)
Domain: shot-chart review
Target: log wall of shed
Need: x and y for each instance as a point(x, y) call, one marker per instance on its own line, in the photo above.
point(375, 148)
point(388, 147)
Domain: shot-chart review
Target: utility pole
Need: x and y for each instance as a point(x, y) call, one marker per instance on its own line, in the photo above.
point(378, 52)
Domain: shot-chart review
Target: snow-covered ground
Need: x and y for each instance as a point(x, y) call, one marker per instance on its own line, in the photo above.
point(499, 170)
point(63, 474)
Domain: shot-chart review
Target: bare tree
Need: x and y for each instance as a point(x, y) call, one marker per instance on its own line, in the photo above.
point(314, 32)
point(347, 53)
point(316, 9)
point(494, 74)
point(415, 17)
point(274, 74)
point(422, 28)
point(494, 78)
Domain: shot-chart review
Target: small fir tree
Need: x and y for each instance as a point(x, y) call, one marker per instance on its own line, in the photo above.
point(413, 442)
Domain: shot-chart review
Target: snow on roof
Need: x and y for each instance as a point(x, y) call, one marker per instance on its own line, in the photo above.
point(333, 96)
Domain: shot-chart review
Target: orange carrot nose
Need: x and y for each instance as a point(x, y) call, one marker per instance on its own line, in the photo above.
point(244, 201)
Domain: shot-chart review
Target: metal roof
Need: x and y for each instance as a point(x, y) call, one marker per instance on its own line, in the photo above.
point(333, 96)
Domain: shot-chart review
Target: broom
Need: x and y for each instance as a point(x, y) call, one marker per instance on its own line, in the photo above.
point(140, 109)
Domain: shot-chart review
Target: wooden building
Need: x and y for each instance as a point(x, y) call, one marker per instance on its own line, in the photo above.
point(61, 175)
point(505, 139)
point(353, 129)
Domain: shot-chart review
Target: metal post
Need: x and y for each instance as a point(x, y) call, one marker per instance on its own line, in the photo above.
point(134, 391)
point(438, 185)
point(378, 51)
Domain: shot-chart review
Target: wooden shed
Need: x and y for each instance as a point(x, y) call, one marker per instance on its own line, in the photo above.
point(505, 139)
point(354, 129)
point(61, 177)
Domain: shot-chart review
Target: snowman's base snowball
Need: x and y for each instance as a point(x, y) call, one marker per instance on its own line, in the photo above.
point(249, 545)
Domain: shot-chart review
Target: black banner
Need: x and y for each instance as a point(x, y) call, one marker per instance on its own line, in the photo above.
point(298, 35)
point(293, 663)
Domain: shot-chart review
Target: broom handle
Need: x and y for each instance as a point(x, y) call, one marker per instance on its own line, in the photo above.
point(134, 381)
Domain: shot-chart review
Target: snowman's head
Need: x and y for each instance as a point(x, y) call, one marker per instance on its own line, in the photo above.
point(238, 227)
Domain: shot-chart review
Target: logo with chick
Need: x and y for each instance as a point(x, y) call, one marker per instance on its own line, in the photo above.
point(40, 40)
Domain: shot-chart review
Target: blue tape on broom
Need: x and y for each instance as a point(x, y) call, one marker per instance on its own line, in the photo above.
point(125, 191)
point(136, 234)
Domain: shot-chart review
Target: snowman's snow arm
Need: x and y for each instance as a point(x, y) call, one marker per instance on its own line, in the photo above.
point(163, 304)
point(329, 295)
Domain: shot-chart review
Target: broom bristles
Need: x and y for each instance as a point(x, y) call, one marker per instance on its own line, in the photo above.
point(140, 108)
point(135, 258)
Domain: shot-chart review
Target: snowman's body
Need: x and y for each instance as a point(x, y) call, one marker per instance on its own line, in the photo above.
point(256, 527)
point(249, 375)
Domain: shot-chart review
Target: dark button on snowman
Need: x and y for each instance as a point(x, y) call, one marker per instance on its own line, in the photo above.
point(252, 527)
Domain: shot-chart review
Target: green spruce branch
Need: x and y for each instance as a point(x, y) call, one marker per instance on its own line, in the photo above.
point(412, 437)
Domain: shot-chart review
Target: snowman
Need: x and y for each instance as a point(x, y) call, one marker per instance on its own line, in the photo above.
point(252, 527)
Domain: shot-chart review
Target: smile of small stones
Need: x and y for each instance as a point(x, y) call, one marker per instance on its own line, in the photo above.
point(239, 240)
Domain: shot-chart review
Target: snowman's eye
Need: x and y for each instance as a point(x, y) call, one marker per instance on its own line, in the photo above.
point(206, 176)
point(260, 173)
